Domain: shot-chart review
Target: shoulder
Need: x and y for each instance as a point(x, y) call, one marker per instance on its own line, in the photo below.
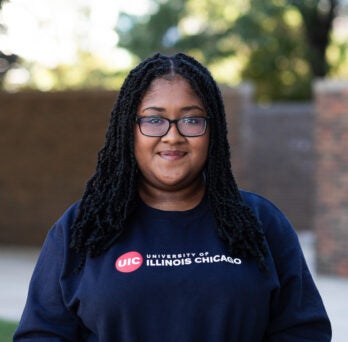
point(56, 245)
point(70, 214)
point(281, 237)
point(262, 207)
point(61, 228)
point(275, 223)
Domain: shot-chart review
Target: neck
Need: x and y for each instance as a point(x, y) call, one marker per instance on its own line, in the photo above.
point(175, 200)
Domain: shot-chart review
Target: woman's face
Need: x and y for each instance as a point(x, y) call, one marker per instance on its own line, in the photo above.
point(171, 162)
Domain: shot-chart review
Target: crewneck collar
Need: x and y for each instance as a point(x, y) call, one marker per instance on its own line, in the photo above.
point(154, 213)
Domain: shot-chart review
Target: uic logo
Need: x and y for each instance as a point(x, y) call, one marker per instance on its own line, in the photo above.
point(129, 262)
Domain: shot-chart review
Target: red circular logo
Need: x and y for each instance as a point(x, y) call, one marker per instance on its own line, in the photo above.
point(129, 262)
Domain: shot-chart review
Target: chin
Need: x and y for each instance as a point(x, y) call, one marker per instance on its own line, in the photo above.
point(173, 184)
point(177, 183)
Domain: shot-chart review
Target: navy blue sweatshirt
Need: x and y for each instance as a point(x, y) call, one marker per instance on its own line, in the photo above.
point(170, 278)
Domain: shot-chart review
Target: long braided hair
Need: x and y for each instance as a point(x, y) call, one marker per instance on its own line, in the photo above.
point(111, 194)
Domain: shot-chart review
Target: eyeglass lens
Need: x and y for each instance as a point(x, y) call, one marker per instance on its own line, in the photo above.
point(158, 126)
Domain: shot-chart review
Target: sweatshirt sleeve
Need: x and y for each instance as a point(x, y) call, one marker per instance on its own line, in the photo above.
point(45, 316)
point(297, 311)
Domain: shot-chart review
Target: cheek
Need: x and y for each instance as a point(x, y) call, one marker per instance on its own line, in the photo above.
point(143, 147)
point(201, 147)
point(138, 145)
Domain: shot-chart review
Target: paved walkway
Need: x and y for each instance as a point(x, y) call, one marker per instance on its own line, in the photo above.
point(16, 266)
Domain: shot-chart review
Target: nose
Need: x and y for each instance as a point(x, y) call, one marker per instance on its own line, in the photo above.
point(173, 135)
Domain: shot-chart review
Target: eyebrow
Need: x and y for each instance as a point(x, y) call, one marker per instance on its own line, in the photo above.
point(184, 109)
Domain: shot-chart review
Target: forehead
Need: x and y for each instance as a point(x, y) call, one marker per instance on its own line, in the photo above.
point(173, 88)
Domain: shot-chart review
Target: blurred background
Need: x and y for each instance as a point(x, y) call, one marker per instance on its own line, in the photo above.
point(279, 45)
point(62, 63)
point(283, 69)
point(281, 65)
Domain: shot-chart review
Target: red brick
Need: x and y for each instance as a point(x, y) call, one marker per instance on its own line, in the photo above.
point(331, 140)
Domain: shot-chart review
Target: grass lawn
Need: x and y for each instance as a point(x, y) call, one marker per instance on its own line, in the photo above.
point(6, 330)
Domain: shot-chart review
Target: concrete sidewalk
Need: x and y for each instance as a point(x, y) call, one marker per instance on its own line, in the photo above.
point(17, 263)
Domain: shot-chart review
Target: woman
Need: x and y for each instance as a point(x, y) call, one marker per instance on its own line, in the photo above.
point(163, 246)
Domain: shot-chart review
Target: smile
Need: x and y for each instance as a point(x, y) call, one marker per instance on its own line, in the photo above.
point(172, 155)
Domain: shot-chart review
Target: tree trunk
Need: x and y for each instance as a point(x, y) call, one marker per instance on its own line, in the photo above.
point(318, 25)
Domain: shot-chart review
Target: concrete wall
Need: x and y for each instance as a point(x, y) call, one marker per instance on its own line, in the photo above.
point(279, 160)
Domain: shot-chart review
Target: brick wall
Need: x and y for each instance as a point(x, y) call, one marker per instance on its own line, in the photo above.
point(331, 216)
point(48, 148)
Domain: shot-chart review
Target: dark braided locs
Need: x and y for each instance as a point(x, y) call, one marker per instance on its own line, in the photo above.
point(111, 194)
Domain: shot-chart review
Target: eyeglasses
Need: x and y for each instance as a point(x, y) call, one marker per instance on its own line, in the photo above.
point(157, 126)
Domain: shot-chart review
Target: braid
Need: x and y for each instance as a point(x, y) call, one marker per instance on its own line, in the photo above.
point(236, 223)
point(111, 194)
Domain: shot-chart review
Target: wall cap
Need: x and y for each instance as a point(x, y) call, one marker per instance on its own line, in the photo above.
point(324, 85)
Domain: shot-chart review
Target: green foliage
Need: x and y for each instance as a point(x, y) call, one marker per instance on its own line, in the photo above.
point(156, 32)
point(1, 2)
point(7, 330)
point(279, 44)
point(91, 73)
point(277, 62)
point(161, 30)
point(318, 16)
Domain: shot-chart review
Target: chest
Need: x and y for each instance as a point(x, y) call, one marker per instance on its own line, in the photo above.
point(170, 271)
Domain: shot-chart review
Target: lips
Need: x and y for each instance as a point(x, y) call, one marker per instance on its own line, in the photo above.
point(172, 155)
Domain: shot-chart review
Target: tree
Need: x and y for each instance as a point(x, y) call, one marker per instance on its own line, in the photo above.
point(280, 44)
point(317, 17)
point(277, 63)
point(157, 32)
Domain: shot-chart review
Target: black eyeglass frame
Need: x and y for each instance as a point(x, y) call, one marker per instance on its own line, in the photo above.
point(175, 121)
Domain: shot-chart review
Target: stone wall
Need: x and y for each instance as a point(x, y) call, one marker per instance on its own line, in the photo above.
point(331, 136)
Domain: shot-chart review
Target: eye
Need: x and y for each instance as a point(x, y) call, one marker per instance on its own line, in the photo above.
point(154, 121)
point(192, 121)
